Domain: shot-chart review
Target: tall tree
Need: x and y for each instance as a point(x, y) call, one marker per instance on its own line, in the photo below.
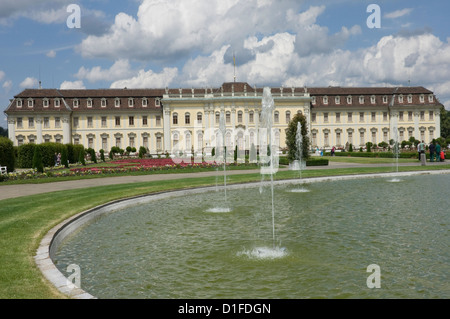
point(445, 123)
point(291, 137)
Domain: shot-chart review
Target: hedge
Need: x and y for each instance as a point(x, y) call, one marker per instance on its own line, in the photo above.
point(310, 162)
point(25, 153)
point(7, 153)
point(376, 154)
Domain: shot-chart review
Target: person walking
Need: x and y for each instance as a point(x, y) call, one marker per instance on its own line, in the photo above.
point(438, 152)
point(432, 150)
point(421, 149)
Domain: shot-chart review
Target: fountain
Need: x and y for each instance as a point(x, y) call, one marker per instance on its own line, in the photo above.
point(299, 164)
point(396, 149)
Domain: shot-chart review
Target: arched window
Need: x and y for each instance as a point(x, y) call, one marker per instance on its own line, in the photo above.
point(175, 119)
point(187, 118)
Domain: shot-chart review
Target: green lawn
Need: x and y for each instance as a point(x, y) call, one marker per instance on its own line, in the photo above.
point(368, 160)
point(24, 221)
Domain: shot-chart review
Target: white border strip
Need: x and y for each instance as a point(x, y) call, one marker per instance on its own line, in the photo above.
point(53, 239)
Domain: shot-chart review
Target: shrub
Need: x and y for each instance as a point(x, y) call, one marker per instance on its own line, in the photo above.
point(142, 151)
point(91, 153)
point(64, 158)
point(37, 160)
point(25, 155)
point(350, 148)
point(317, 162)
point(102, 155)
point(81, 158)
point(7, 156)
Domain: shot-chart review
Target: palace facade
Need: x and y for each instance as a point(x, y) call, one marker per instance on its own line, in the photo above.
point(188, 119)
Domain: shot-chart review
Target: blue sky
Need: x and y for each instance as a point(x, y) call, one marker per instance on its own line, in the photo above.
point(182, 43)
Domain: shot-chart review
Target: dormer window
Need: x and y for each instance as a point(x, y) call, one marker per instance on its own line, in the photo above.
point(57, 102)
point(130, 102)
point(373, 99)
point(45, 102)
point(349, 99)
point(144, 102)
point(385, 99)
point(89, 102)
point(410, 98)
point(337, 100)
point(325, 99)
point(76, 103)
point(19, 103)
point(30, 102)
point(400, 98)
point(361, 99)
point(431, 98)
point(117, 102)
point(103, 102)
point(313, 100)
point(158, 102)
point(422, 98)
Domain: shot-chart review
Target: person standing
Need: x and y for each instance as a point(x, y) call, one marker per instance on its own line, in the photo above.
point(438, 152)
point(421, 149)
point(432, 150)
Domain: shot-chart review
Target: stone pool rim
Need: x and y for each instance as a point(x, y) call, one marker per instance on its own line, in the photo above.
point(53, 239)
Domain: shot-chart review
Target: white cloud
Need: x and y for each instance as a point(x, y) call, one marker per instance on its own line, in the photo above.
point(7, 85)
point(29, 83)
point(51, 54)
point(148, 79)
point(68, 85)
point(119, 70)
point(398, 13)
point(2, 75)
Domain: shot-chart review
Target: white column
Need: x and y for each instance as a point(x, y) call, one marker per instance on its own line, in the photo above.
point(67, 138)
point(12, 130)
point(437, 120)
point(167, 136)
point(416, 125)
point(39, 121)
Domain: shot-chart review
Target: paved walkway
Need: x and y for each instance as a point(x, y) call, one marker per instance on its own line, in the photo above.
point(14, 191)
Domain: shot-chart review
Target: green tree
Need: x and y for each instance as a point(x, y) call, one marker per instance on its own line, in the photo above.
point(65, 157)
point(81, 158)
point(142, 151)
point(37, 160)
point(7, 155)
point(445, 123)
point(291, 137)
point(102, 155)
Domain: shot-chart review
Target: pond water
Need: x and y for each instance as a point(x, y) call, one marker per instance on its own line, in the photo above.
point(326, 237)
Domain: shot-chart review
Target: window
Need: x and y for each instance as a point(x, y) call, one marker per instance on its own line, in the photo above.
point(430, 98)
point(422, 115)
point(89, 102)
point(45, 102)
point(400, 116)
point(422, 98)
point(158, 143)
point(326, 139)
point(350, 117)
point(57, 122)
point(103, 102)
point(104, 143)
point(199, 118)
point(104, 121)
point(276, 117)
point(410, 116)
point(132, 141)
point(30, 102)
point(90, 123)
point(313, 117)
point(410, 98)
point(349, 100)
point(338, 138)
point(251, 117)
point(157, 102)
point(337, 100)
point(131, 120)
point(144, 102)
point(361, 116)
point(158, 120)
point(374, 116)
point(75, 122)
point(431, 115)
point(385, 99)
point(385, 116)
point(145, 141)
point(313, 100)
point(187, 118)
point(314, 138)
point(288, 117)
point(373, 99)
point(19, 123)
point(57, 102)
point(240, 118)
point(374, 137)
point(338, 117)
point(31, 138)
point(90, 142)
point(361, 99)
point(130, 102)
point(228, 118)
point(118, 142)
point(325, 117)
point(19, 103)
point(175, 119)
point(217, 118)
point(325, 100)
point(361, 137)
point(31, 122)
point(76, 103)
point(385, 136)
point(46, 122)
point(400, 98)
point(117, 120)
point(144, 121)
point(117, 102)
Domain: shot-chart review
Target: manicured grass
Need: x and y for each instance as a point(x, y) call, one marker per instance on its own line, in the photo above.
point(24, 221)
point(368, 160)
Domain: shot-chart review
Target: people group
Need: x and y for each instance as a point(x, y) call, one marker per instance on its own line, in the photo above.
point(436, 152)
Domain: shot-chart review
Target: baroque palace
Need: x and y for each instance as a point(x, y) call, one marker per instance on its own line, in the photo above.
point(188, 119)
